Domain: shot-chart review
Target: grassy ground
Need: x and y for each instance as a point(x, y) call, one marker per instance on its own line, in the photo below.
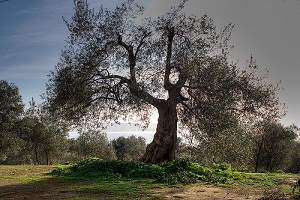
point(32, 182)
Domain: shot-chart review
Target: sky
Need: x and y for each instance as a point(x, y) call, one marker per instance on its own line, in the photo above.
point(33, 33)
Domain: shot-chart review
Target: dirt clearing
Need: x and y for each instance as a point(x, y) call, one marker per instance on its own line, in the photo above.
point(211, 192)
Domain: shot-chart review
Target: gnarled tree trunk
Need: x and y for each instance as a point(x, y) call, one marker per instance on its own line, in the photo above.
point(162, 148)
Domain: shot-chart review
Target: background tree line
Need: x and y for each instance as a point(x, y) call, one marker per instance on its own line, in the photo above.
point(32, 137)
point(267, 146)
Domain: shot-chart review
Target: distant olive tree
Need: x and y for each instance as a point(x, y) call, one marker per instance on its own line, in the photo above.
point(233, 145)
point(274, 146)
point(45, 139)
point(130, 148)
point(117, 66)
point(295, 166)
point(91, 143)
point(11, 109)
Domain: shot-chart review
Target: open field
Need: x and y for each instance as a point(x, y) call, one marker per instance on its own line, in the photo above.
point(32, 182)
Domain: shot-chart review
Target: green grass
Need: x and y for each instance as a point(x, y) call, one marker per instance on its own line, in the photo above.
point(18, 174)
point(265, 179)
point(36, 179)
point(113, 188)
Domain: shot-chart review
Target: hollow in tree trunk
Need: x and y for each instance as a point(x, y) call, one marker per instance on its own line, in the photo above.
point(163, 146)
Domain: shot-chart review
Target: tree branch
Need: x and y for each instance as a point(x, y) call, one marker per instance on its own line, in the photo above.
point(133, 86)
point(132, 60)
point(141, 43)
point(167, 83)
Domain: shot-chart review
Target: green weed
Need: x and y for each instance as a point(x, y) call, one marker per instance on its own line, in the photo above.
point(179, 171)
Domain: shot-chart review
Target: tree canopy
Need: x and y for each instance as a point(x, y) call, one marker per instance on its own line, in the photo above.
point(11, 109)
point(130, 148)
point(119, 66)
point(11, 105)
point(273, 143)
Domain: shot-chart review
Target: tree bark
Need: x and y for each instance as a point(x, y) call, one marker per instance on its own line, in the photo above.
point(163, 146)
point(36, 155)
point(269, 166)
point(47, 157)
point(259, 145)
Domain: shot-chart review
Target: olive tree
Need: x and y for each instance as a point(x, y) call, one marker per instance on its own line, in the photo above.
point(274, 146)
point(130, 148)
point(117, 65)
point(45, 139)
point(11, 109)
point(93, 143)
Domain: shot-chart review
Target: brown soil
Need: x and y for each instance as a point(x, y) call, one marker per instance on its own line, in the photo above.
point(211, 192)
point(204, 191)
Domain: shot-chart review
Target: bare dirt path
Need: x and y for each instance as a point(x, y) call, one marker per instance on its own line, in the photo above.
point(211, 192)
point(205, 191)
